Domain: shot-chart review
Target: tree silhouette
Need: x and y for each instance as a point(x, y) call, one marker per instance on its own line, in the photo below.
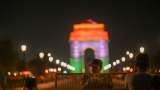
point(155, 61)
point(8, 56)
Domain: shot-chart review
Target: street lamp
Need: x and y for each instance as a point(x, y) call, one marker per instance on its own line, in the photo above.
point(131, 55)
point(123, 59)
point(141, 49)
point(114, 63)
point(41, 55)
point(57, 61)
point(127, 52)
point(107, 67)
point(23, 48)
point(50, 59)
point(49, 55)
point(59, 69)
point(118, 61)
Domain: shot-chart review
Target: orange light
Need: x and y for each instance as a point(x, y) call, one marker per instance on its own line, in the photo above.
point(46, 71)
point(89, 26)
point(90, 31)
point(26, 73)
point(131, 70)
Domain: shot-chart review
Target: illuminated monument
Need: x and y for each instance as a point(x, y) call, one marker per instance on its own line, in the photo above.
point(88, 35)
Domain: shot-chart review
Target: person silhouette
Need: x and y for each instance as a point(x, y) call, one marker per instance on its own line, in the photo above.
point(140, 80)
point(95, 80)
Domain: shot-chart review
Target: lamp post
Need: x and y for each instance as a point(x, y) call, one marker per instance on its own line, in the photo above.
point(49, 54)
point(50, 59)
point(142, 49)
point(131, 55)
point(41, 55)
point(23, 49)
point(57, 63)
point(123, 59)
point(127, 52)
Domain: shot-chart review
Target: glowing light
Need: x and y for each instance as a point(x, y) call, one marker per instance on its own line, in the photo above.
point(26, 72)
point(63, 64)
point(20, 73)
point(51, 70)
point(46, 71)
point(124, 69)
point(131, 70)
point(142, 49)
point(59, 69)
point(15, 73)
point(57, 61)
point(118, 61)
point(131, 55)
point(23, 48)
point(123, 59)
point(86, 35)
point(88, 26)
point(49, 54)
point(65, 72)
point(50, 59)
point(54, 70)
point(127, 52)
point(41, 55)
point(9, 73)
point(128, 68)
point(114, 63)
point(107, 67)
point(88, 31)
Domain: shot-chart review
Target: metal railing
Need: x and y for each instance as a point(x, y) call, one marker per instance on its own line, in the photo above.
point(109, 81)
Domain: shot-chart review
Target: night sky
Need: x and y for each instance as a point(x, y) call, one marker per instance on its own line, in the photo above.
point(45, 25)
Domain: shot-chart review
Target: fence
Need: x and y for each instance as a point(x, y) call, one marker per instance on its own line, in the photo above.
point(109, 81)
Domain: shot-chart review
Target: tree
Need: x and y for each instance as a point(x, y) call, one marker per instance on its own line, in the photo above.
point(37, 65)
point(155, 61)
point(8, 56)
point(8, 60)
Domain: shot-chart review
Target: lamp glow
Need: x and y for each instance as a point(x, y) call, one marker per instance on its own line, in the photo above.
point(9, 73)
point(123, 59)
point(23, 48)
point(114, 63)
point(142, 49)
point(57, 61)
point(59, 69)
point(127, 52)
point(49, 54)
point(131, 55)
point(50, 59)
point(118, 61)
point(41, 55)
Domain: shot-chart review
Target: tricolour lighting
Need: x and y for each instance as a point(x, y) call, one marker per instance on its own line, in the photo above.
point(107, 67)
point(88, 32)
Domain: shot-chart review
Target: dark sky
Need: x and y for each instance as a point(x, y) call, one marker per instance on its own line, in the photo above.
point(46, 24)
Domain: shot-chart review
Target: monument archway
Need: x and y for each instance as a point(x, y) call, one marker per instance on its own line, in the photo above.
point(88, 36)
